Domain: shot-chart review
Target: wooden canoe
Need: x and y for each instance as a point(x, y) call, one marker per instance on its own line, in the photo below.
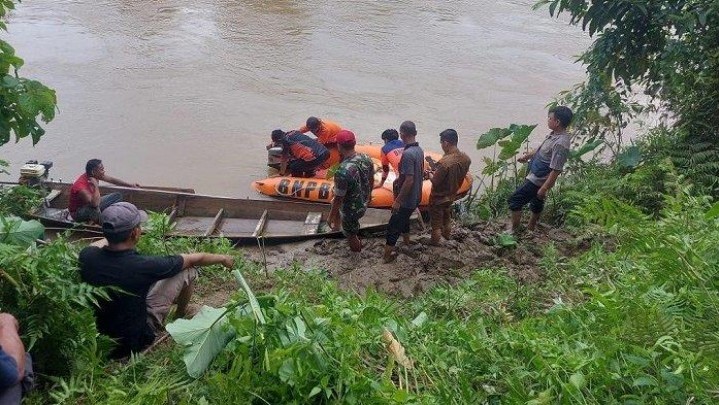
point(195, 215)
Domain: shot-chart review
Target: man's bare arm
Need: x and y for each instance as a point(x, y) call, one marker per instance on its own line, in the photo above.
point(118, 182)
point(548, 184)
point(335, 212)
point(92, 197)
point(11, 343)
point(206, 259)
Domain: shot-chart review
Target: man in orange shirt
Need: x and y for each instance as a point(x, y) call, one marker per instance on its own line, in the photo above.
point(391, 153)
point(326, 132)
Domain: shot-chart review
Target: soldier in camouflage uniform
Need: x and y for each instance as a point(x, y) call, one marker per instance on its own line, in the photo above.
point(354, 180)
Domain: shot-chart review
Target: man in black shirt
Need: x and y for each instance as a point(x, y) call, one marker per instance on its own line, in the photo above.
point(149, 285)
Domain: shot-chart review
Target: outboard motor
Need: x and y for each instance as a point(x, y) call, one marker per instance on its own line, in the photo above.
point(34, 174)
point(274, 160)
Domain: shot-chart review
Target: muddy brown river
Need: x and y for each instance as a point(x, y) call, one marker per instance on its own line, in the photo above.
point(185, 93)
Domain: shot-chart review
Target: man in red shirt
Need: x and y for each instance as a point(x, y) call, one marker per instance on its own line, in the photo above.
point(85, 200)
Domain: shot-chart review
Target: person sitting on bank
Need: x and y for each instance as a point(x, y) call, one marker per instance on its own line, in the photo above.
point(16, 376)
point(390, 154)
point(546, 165)
point(446, 178)
point(353, 189)
point(301, 155)
point(148, 285)
point(85, 200)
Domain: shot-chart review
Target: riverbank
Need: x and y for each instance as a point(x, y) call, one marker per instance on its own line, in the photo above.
point(421, 266)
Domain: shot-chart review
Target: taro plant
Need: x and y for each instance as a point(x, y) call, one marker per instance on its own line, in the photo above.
point(509, 140)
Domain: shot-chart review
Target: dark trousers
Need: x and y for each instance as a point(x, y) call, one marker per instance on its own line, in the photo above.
point(303, 168)
point(88, 213)
point(527, 193)
point(398, 224)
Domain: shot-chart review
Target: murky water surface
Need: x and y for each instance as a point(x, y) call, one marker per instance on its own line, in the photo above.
point(185, 93)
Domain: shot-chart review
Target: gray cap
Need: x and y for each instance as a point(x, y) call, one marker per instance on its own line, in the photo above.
point(121, 217)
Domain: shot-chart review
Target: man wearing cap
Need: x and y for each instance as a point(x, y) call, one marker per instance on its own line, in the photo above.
point(408, 190)
point(85, 200)
point(149, 285)
point(446, 178)
point(301, 155)
point(354, 179)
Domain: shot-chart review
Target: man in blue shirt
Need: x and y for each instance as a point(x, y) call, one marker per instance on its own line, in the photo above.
point(408, 190)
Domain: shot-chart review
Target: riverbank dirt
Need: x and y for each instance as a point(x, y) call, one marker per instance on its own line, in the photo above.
point(421, 266)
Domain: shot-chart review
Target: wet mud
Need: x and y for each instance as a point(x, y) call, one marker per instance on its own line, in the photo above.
point(419, 265)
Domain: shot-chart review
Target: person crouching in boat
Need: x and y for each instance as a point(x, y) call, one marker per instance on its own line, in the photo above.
point(353, 189)
point(86, 204)
point(326, 132)
point(391, 153)
point(301, 155)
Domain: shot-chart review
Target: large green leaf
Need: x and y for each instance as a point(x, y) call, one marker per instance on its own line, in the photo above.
point(713, 212)
point(521, 131)
point(589, 146)
point(204, 336)
point(15, 231)
point(491, 137)
point(511, 146)
point(256, 310)
point(630, 157)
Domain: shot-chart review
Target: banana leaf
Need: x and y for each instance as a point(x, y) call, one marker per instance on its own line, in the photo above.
point(15, 231)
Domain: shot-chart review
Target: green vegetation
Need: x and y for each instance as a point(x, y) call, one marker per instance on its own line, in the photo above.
point(22, 100)
point(633, 319)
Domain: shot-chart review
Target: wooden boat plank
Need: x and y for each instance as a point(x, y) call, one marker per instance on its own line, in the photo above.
point(312, 223)
point(195, 225)
point(50, 197)
point(215, 223)
point(260, 228)
point(283, 227)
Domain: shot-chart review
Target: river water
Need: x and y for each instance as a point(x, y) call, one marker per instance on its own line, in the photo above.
point(186, 92)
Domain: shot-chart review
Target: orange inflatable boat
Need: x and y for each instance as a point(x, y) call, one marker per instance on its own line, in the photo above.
point(320, 189)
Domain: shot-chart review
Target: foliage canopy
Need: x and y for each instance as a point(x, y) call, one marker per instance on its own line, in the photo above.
point(22, 101)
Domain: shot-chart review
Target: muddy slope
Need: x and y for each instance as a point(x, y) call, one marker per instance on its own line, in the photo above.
point(420, 266)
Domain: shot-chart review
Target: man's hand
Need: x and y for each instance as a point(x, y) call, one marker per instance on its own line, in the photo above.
point(334, 223)
point(228, 261)
point(395, 206)
point(542, 193)
point(94, 181)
